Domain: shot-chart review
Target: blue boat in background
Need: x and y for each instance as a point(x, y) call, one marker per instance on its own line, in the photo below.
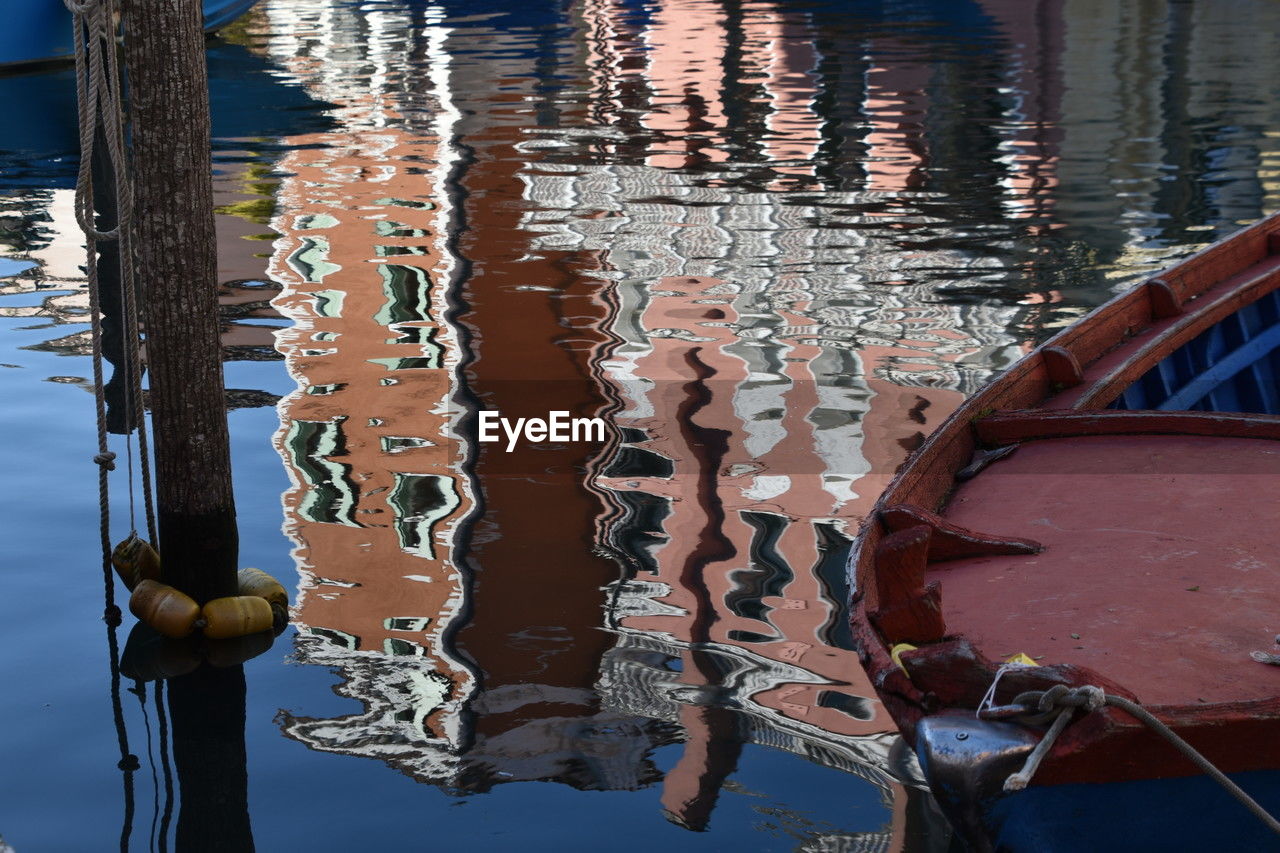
point(248, 98)
point(40, 30)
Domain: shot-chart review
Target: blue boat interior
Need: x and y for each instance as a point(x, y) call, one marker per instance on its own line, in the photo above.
point(1233, 366)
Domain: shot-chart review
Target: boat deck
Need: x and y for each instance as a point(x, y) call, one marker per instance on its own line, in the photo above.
point(1168, 543)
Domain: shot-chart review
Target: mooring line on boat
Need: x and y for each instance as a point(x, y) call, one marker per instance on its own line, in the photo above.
point(1060, 702)
point(988, 698)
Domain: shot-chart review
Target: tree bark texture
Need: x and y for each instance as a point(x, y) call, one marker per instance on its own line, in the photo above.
point(175, 257)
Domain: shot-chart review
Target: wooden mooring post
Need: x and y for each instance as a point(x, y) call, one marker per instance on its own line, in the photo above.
point(175, 258)
point(175, 264)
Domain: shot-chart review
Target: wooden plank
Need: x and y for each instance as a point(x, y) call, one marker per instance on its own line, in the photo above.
point(909, 611)
point(951, 541)
point(1063, 366)
point(1165, 301)
point(1011, 427)
point(1109, 324)
point(1205, 269)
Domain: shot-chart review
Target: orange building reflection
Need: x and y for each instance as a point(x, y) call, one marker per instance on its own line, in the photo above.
point(756, 434)
point(369, 438)
point(765, 373)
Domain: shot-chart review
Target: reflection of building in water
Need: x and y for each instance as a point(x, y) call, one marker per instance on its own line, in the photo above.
point(38, 227)
point(756, 346)
point(784, 363)
point(775, 367)
point(40, 233)
point(645, 675)
point(746, 245)
point(378, 499)
point(538, 332)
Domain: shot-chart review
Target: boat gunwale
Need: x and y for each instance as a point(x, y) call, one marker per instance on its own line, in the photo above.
point(1212, 306)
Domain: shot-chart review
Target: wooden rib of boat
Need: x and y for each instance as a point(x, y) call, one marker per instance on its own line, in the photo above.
point(1107, 508)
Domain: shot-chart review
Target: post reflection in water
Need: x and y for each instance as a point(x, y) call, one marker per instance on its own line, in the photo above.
point(207, 720)
point(772, 245)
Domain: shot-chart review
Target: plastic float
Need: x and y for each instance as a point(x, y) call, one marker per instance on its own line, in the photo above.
point(233, 629)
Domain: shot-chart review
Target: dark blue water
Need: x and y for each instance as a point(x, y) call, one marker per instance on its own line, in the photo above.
point(769, 245)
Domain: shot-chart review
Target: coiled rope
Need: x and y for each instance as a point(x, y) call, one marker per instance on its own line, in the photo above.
point(1060, 702)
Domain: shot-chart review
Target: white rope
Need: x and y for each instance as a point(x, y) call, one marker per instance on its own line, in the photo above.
point(988, 698)
point(1060, 702)
point(99, 104)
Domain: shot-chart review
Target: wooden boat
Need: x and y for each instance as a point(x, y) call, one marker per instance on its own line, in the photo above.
point(40, 30)
point(1107, 510)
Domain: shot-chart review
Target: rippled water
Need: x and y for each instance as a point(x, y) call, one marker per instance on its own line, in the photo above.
point(769, 245)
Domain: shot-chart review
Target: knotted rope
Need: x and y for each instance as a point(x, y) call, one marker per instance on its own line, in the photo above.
point(98, 99)
point(1060, 702)
point(99, 103)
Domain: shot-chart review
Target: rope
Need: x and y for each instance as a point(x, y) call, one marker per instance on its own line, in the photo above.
point(93, 27)
point(128, 763)
point(88, 17)
point(105, 459)
point(99, 104)
point(1057, 703)
point(100, 110)
point(1060, 702)
point(161, 719)
point(988, 698)
point(114, 127)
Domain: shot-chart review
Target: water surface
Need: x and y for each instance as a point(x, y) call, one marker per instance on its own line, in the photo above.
point(770, 245)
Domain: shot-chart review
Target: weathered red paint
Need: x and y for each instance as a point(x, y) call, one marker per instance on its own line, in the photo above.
point(951, 541)
point(1063, 366)
point(909, 609)
point(1001, 429)
point(1213, 305)
point(1165, 301)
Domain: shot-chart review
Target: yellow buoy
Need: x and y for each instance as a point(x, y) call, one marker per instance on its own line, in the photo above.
point(259, 583)
point(235, 616)
point(135, 560)
point(164, 608)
